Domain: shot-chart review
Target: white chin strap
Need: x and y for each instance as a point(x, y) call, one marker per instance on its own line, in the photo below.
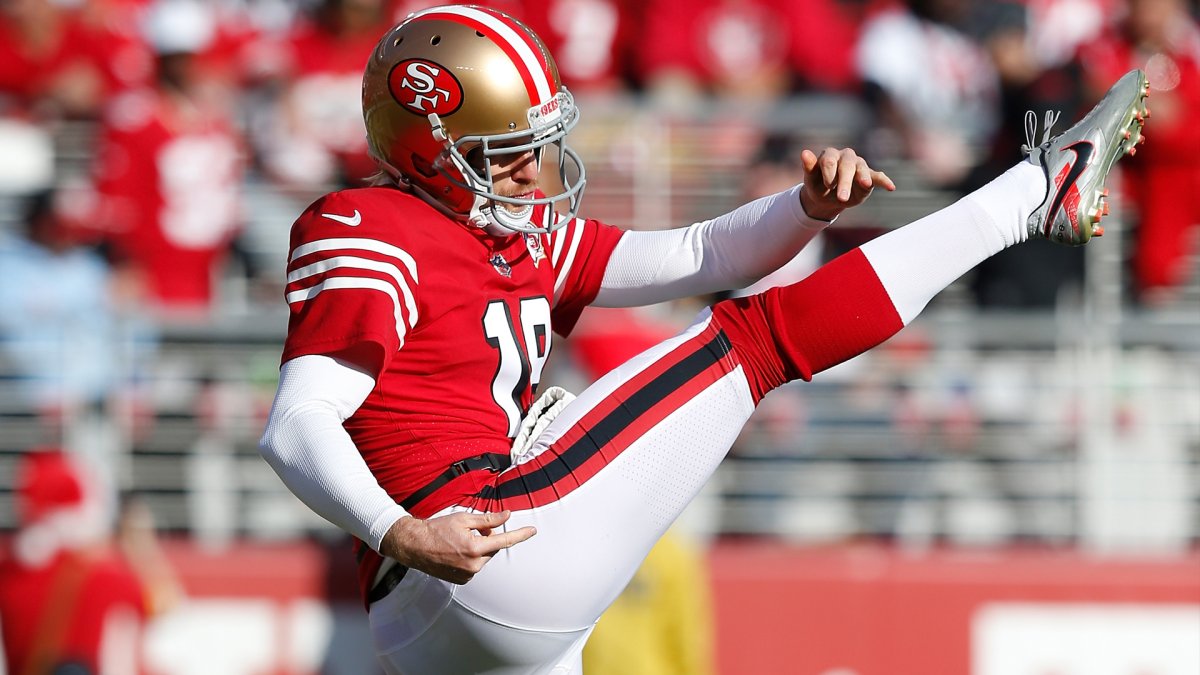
point(496, 220)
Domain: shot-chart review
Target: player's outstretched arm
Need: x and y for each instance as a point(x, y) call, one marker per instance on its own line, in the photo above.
point(837, 180)
point(739, 248)
point(454, 547)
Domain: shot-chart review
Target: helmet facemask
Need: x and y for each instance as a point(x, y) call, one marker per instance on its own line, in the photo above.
point(466, 163)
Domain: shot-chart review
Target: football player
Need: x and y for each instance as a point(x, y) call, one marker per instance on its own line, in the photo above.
point(492, 529)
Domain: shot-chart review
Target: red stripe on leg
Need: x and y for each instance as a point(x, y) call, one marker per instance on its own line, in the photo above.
point(839, 312)
point(793, 332)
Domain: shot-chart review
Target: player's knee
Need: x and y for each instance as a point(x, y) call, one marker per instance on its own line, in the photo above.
point(746, 325)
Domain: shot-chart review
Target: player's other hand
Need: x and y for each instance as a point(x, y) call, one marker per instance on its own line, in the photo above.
point(453, 547)
point(837, 180)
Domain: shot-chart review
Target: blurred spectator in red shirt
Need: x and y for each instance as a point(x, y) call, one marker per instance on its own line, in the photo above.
point(1161, 37)
point(933, 89)
point(69, 603)
point(593, 41)
point(606, 337)
point(249, 46)
point(126, 59)
point(398, 10)
point(60, 61)
point(751, 50)
point(314, 136)
point(169, 167)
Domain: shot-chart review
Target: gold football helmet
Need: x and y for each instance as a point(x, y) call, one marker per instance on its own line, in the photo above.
point(452, 86)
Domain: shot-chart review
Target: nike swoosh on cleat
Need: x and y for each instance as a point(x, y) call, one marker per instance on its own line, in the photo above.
point(352, 221)
point(1083, 154)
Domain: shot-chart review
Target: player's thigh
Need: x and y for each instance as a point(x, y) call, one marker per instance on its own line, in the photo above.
point(421, 628)
point(617, 467)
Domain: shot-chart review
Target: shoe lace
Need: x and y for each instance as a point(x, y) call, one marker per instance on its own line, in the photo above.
point(1048, 121)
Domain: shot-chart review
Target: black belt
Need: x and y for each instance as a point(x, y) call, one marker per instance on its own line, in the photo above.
point(492, 461)
point(386, 584)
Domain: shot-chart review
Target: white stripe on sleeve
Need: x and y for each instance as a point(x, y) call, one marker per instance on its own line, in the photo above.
point(404, 310)
point(357, 243)
point(343, 262)
point(336, 283)
point(576, 231)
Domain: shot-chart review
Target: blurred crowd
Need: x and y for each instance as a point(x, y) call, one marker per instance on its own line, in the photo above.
point(131, 129)
point(190, 98)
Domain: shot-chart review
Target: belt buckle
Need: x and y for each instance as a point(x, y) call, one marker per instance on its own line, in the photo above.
point(460, 467)
point(491, 461)
point(496, 462)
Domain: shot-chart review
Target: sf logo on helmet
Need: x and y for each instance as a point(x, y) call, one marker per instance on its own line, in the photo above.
point(424, 87)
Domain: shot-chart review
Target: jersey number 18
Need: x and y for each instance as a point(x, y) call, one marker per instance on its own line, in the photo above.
point(521, 358)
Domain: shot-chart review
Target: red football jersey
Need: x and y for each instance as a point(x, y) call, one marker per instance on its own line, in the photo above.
point(592, 40)
point(456, 323)
point(326, 87)
point(168, 181)
point(28, 71)
point(86, 589)
point(724, 43)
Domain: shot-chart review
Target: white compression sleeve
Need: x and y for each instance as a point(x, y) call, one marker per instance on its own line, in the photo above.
point(730, 251)
point(314, 456)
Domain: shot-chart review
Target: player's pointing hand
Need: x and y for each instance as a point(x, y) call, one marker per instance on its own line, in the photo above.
point(837, 180)
point(453, 547)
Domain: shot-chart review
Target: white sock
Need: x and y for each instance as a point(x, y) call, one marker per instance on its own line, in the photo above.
point(915, 262)
point(1009, 199)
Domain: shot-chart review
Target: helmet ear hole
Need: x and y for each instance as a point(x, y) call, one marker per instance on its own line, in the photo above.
point(423, 166)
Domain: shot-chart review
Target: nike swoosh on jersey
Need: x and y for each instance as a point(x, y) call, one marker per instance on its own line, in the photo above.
point(1083, 155)
point(352, 221)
